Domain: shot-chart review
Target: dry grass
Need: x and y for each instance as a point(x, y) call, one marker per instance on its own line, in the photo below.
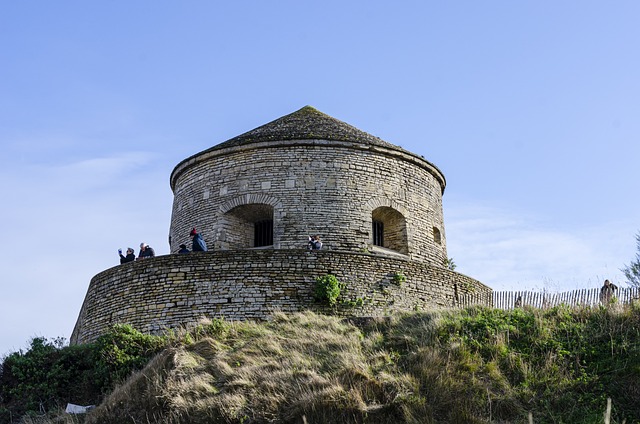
point(296, 367)
point(474, 366)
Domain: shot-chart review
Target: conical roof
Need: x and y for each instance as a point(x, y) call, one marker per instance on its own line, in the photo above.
point(305, 124)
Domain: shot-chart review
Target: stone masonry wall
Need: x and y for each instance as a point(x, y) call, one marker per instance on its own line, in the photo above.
point(320, 187)
point(172, 290)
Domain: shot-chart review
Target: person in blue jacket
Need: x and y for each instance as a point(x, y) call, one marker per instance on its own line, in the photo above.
point(199, 244)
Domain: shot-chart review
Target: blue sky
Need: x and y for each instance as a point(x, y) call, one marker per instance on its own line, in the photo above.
point(529, 108)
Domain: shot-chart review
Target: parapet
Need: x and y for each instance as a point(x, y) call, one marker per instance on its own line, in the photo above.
point(173, 290)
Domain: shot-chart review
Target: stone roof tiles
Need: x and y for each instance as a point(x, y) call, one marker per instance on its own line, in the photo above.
point(305, 124)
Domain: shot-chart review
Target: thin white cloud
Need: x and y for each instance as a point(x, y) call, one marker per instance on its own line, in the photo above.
point(103, 171)
point(511, 251)
point(114, 164)
point(63, 224)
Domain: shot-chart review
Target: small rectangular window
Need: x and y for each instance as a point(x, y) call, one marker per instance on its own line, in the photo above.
point(263, 233)
point(378, 233)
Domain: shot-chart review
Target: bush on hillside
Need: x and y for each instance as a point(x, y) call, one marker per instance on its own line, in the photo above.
point(121, 351)
point(49, 375)
point(327, 289)
point(45, 377)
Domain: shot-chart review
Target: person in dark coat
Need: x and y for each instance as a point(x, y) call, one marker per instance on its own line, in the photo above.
point(314, 243)
point(199, 245)
point(146, 251)
point(607, 292)
point(129, 258)
point(183, 249)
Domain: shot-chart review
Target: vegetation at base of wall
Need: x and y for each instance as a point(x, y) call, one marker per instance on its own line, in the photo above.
point(358, 302)
point(477, 365)
point(399, 278)
point(123, 350)
point(327, 289)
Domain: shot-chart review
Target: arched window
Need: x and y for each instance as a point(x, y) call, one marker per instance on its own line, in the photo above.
point(437, 237)
point(249, 226)
point(389, 229)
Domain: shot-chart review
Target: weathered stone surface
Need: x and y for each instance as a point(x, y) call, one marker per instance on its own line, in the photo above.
point(332, 187)
point(218, 285)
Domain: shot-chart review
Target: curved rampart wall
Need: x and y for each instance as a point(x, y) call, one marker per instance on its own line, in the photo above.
point(172, 290)
point(321, 187)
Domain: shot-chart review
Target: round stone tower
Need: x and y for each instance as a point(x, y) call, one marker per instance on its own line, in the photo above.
point(305, 174)
point(256, 199)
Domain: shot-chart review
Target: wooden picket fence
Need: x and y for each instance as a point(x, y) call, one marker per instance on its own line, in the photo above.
point(512, 299)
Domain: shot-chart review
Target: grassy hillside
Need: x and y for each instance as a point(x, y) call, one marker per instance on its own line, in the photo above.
point(477, 365)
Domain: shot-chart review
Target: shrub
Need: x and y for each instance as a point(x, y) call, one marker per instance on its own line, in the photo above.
point(328, 289)
point(122, 351)
point(49, 375)
point(399, 278)
point(449, 264)
point(46, 376)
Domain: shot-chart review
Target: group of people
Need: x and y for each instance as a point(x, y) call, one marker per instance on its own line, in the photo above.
point(198, 245)
point(146, 251)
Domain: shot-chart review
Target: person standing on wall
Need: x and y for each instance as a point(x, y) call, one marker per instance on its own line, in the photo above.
point(314, 242)
point(183, 249)
point(129, 258)
point(146, 251)
point(199, 244)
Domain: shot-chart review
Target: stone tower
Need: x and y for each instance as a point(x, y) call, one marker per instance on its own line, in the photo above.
point(256, 198)
point(308, 173)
